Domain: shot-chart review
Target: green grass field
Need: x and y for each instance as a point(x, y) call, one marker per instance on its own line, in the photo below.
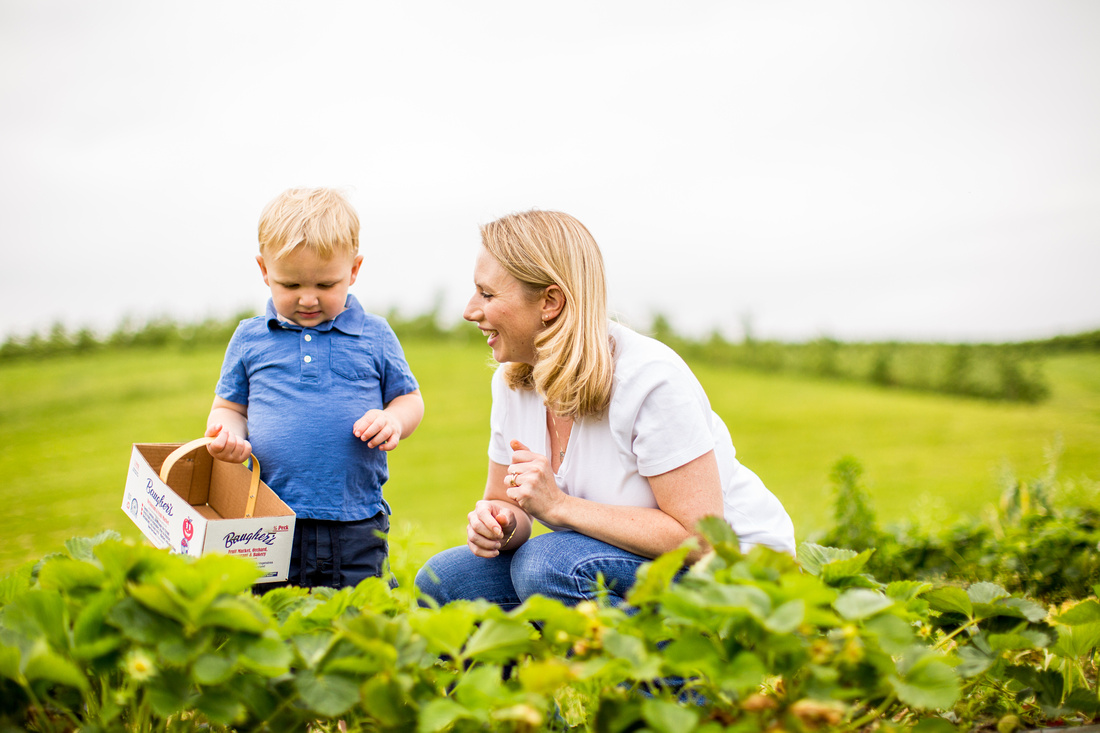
point(67, 424)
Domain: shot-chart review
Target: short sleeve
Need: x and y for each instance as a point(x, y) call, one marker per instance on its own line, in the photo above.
point(397, 377)
point(233, 382)
point(671, 418)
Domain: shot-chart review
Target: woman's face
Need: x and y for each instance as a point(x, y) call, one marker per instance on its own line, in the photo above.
point(504, 312)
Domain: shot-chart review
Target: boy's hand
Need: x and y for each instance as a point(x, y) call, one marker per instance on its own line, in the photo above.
point(227, 446)
point(378, 430)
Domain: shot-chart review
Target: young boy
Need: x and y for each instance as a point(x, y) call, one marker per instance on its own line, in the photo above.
point(319, 390)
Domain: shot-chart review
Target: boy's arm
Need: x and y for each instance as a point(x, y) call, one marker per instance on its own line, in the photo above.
point(385, 428)
point(228, 425)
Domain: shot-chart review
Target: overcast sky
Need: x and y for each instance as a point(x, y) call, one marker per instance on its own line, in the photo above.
point(863, 170)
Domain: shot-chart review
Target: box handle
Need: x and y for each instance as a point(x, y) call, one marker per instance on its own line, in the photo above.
point(253, 487)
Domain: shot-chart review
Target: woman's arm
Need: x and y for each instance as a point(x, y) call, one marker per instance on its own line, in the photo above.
point(684, 496)
point(496, 523)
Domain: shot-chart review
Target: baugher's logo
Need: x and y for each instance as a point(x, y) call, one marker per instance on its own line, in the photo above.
point(280, 528)
point(188, 528)
point(158, 499)
point(259, 535)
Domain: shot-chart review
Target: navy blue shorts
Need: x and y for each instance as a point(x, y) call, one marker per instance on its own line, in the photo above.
point(336, 554)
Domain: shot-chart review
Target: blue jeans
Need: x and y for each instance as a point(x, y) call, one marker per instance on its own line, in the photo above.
point(562, 565)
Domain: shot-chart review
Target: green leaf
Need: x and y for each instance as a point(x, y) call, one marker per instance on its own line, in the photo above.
point(745, 673)
point(1019, 641)
point(631, 649)
point(446, 629)
point(929, 684)
point(440, 713)
point(669, 717)
point(220, 706)
point(169, 692)
point(718, 531)
point(500, 640)
point(212, 669)
point(934, 725)
point(10, 662)
point(238, 613)
point(64, 574)
point(267, 656)
point(545, 676)
point(312, 648)
point(813, 557)
point(692, 652)
point(859, 603)
point(907, 590)
point(42, 663)
point(839, 570)
point(159, 599)
point(1030, 610)
point(38, 614)
point(384, 700)
point(973, 662)
point(481, 688)
point(986, 593)
point(1076, 641)
point(1085, 612)
point(893, 633)
point(787, 617)
point(655, 577)
point(81, 548)
point(832, 564)
point(328, 694)
point(950, 599)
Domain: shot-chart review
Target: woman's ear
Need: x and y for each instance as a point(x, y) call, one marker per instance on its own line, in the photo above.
point(553, 300)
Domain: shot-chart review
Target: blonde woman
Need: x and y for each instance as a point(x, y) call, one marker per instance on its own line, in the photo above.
point(601, 434)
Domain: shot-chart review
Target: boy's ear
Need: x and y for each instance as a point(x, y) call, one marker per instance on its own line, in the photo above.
point(355, 267)
point(553, 300)
point(263, 268)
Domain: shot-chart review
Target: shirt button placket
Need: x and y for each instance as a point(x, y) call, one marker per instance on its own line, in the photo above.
point(309, 362)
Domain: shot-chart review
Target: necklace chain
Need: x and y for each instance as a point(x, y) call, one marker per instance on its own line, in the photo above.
point(561, 445)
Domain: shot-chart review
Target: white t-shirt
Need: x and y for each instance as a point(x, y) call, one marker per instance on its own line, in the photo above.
point(659, 419)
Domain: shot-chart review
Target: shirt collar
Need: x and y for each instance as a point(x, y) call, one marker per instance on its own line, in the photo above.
point(351, 321)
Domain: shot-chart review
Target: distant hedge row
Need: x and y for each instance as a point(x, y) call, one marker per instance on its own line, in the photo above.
point(1010, 371)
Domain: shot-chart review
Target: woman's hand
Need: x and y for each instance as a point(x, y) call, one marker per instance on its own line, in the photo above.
point(530, 483)
point(490, 528)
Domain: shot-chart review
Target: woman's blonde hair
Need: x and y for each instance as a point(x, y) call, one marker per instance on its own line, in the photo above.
point(320, 219)
point(573, 366)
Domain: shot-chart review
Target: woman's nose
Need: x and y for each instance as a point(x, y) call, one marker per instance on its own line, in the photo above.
point(472, 312)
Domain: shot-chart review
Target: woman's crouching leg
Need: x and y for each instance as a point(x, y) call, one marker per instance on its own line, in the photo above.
point(569, 567)
point(458, 574)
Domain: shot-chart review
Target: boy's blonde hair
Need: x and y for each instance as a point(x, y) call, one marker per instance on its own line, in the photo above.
point(573, 366)
point(318, 218)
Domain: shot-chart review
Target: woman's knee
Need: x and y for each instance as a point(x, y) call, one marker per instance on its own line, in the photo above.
point(457, 574)
point(569, 567)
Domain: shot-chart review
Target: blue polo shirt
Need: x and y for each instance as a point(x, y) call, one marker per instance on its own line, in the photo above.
point(305, 388)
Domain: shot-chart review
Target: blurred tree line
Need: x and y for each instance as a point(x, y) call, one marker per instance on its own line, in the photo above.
point(1006, 371)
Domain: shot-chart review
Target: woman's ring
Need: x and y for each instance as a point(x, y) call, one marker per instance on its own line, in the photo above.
point(512, 479)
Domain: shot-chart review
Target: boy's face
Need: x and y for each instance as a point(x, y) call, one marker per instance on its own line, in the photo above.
point(308, 289)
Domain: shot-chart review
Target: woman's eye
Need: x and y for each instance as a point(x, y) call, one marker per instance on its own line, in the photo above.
point(485, 295)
